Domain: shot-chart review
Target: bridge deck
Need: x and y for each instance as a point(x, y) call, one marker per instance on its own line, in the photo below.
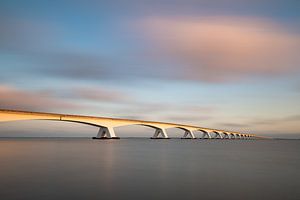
point(13, 115)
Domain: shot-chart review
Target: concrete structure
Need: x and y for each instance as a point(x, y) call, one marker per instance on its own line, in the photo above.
point(107, 125)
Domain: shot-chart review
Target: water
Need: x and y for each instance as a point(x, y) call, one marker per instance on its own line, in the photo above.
point(72, 168)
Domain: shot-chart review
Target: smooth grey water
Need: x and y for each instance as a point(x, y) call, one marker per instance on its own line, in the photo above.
point(149, 169)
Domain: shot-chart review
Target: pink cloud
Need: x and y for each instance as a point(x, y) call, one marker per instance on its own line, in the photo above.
point(224, 48)
point(13, 98)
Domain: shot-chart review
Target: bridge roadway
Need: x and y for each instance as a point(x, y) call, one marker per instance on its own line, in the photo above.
point(107, 125)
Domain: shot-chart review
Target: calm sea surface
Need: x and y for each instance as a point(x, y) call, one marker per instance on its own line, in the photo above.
point(69, 168)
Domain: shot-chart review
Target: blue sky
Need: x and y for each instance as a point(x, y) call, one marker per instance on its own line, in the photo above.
point(230, 64)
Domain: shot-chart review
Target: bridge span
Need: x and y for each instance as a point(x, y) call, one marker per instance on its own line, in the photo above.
point(107, 125)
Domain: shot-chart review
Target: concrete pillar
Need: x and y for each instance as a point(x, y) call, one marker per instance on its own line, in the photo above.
point(158, 132)
point(205, 133)
point(106, 133)
point(218, 135)
point(226, 135)
point(188, 135)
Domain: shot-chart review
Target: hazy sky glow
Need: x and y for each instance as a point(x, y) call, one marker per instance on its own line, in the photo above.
point(228, 64)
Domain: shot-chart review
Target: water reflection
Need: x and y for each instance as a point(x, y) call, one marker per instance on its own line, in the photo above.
point(148, 169)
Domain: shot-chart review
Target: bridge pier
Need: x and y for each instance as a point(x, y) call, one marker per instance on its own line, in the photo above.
point(218, 135)
point(188, 135)
point(205, 133)
point(106, 133)
point(226, 135)
point(158, 132)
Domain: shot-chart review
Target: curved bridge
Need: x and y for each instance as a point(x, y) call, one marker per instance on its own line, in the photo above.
point(107, 125)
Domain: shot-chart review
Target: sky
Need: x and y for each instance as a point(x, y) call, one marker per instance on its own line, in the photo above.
point(226, 64)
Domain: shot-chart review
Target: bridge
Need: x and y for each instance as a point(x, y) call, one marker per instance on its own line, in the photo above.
point(107, 125)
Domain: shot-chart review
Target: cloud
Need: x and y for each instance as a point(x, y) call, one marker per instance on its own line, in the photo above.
point(234, 125)
point(273, 121)
point(25, 35)
point(40, 45)
point(210, 49)
point(217, 49)
point(170, 112)
point(192, 119)
point(100, 94)
point(100, 101)
point(13, 98)
point(292, 118)
point(92, 66)
point(75, 65)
